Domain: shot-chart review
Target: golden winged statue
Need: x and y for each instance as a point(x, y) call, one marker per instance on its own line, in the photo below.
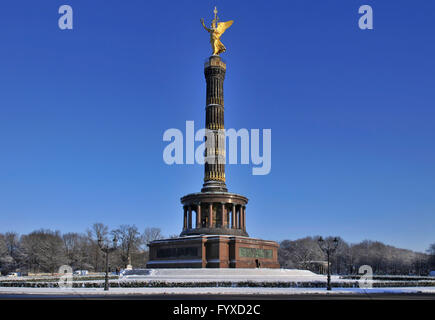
point(216, 31)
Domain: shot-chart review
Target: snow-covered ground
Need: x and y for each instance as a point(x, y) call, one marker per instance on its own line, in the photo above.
point(207, 275)
point(205, 291)
point(230, 275)
point(298, 280)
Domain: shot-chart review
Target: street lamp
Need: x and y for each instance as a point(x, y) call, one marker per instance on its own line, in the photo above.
point(329, 248)
point(106, 249)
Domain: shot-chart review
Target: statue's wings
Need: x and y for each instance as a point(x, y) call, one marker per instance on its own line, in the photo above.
point(222, 26)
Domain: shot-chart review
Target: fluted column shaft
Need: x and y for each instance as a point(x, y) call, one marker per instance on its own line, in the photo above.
point(214, 167)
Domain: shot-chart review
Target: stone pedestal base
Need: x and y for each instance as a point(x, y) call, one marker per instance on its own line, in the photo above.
point(213, 251)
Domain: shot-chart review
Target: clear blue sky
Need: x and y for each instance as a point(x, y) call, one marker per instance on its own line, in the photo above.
point(82, 114)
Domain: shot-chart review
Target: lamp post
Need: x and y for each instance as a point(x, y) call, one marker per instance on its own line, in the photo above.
point(107, 249)
point(328, 248)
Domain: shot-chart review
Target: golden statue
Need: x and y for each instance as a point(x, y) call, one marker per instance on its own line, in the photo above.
point(216, 31)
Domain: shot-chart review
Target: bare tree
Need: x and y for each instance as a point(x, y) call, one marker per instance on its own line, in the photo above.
point(97, 231)
point(44, 250)
point(95, 256)
point(76, 250)
point(3, 247)
point(129, 242)
point(148, 236)
point(151, 234)
point(299, 253)
point(13, 250)
point(6, 261)
point(384, 259)
point(431, 252)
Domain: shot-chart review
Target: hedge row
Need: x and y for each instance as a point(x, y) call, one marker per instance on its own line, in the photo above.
point(251, 284)
point(56, 279)
point(391, 278)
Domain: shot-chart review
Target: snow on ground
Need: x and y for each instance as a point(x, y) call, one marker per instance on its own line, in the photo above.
point(217, 275)
point(230, 275)
point(212, 275)
point(230, 272)
point(205, 291)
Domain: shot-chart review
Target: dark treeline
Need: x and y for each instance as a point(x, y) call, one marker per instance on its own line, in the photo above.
point(347, 259)
point(45, 251)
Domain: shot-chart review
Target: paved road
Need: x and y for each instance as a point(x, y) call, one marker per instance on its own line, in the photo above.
point(378, 296)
